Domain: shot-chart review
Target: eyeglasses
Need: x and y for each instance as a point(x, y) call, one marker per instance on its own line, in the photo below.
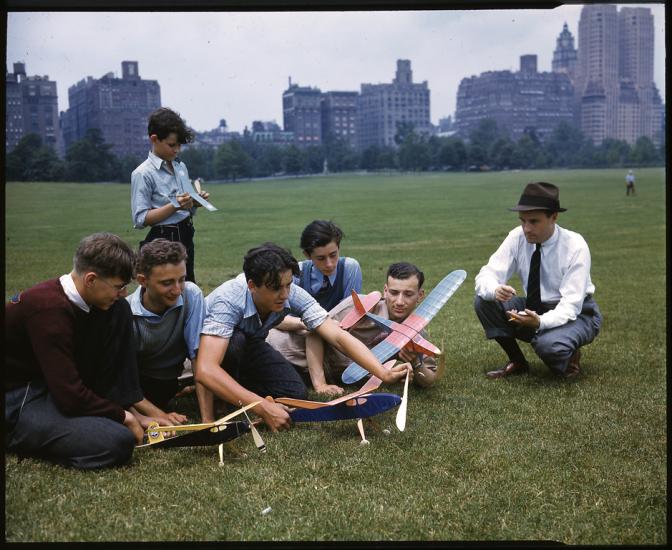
point(118, 288)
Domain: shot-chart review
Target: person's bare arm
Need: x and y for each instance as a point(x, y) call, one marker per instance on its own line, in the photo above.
point(349, 345)
point(209, 372)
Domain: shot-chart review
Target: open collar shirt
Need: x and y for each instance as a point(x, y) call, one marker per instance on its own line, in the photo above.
point(154, 186)
point(565, 272)
point(193, 321)
point(231, 306)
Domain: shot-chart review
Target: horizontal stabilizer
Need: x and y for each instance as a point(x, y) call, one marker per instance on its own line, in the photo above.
point(363, 304)
point(420, 345)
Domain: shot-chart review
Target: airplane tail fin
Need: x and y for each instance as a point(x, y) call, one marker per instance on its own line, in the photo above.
point(359, 306)
point(420, 345)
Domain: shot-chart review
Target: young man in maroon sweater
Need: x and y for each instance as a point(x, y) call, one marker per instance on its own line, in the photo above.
point(72, 394)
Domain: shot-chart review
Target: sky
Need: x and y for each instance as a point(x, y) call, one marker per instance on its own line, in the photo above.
point(235, 66)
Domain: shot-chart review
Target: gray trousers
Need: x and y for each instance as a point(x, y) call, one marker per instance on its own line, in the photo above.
point(35, 427)
point(554, 346)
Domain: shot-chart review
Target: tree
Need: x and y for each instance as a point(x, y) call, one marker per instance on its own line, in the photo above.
point(644, 151)
point(232, 162)
point(313, 159)
point(484, 137)
point(30, 160)
point(293, 160)
point(564, 145)
point(199, 161)
point(90, 159)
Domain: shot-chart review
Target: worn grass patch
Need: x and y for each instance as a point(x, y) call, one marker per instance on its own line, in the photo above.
point(532, 458)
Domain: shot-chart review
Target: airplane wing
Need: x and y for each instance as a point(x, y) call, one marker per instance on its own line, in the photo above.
point(362, 407)
point(424, 313)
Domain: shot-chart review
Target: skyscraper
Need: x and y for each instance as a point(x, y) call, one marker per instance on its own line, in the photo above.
point(119, 107)
point(565, 56)
point(615, 90)
point(302, 114)
point(31, 107)
point(382, 107)
point(339, 116)
point(519, 102)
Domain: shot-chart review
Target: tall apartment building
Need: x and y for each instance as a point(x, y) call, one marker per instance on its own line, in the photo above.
point(31, 107)
point(615, 90)
point(302, 115)
point(518, 102)
point(119, 107)
point(383, 106)
point(565, 55)
point(339, 116)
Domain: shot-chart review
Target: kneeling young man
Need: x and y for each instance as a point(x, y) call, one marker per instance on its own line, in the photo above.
point(234, 360)
point(71, 379)
point(558, 315)
point(168, 315)
point(402, 293)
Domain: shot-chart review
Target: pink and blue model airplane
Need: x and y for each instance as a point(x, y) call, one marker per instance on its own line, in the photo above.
point(402, 335)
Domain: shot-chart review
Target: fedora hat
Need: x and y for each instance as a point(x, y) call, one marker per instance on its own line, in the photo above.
point(539, 196)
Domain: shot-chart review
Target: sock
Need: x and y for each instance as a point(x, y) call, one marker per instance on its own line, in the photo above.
point(510, 346)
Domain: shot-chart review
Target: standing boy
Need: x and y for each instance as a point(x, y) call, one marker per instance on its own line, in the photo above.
point(629, 183)
point(234, 360)
point(159, 197)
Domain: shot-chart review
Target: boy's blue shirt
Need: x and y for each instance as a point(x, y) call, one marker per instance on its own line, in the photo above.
point(153, 186)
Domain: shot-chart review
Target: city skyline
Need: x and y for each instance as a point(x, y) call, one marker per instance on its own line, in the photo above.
point(236, 66)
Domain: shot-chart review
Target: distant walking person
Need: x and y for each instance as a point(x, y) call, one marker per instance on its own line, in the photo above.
point(158, 194)
point(629, 183)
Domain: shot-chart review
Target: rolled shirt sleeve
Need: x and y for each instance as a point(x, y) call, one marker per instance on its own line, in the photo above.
point(305, 306)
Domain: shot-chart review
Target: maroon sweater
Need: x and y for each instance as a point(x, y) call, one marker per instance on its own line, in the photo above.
point(87, 360)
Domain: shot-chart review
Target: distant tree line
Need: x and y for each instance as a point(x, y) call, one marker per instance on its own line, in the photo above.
point(488, 148)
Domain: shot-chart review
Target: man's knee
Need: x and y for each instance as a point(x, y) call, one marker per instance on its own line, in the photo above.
point(553, 352)
point(115, 448)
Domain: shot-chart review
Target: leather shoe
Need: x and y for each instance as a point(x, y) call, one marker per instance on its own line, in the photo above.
point(574, 367)
point(509, 369)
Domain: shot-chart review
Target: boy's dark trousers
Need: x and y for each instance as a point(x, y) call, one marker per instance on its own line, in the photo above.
point(255, 365)
point(35, 427)
point(182, 232)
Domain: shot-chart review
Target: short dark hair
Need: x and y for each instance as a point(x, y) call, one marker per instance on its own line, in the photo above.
point(105, 254)
point(405, 270)
point(159, 252)
point(265, 263)
point(320, 233)
point(164, 122)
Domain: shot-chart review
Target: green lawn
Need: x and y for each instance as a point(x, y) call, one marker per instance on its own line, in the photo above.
point(532, 458)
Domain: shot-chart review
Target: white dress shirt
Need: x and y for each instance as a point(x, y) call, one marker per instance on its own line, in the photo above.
point(565, 272)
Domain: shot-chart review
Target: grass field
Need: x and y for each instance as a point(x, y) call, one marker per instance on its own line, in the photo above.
point(532, 458)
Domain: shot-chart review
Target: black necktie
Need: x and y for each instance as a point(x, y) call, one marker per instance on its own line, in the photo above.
point(533, 301)
point(325, 283)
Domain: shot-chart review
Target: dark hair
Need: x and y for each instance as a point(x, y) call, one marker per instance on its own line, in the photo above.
point(404, 270)
point(159, 252)
point(265, 263)
point(320, 233)
point(105, 254)
point(164, 122)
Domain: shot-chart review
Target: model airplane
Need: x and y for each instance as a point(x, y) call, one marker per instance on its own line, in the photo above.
point(406, 334)
point(353, 406)
point(210, 433)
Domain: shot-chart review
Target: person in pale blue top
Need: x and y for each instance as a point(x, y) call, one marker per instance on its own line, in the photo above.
point(158, 186)
point(234, 360)
point(168, 315)
point(329, 278)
